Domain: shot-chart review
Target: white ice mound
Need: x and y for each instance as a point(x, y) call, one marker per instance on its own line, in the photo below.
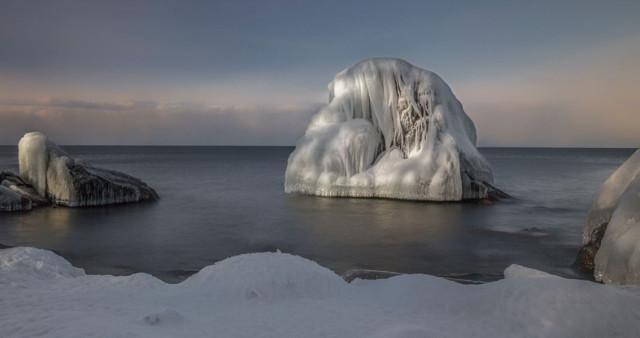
point(67, 181)
point(19, 264)
point(616, 206)
point(519, 271)
point(390, 130)
point(268, 276)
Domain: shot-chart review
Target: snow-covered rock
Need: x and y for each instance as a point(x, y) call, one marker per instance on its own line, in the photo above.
point(390, 130)
point(41, 294)
point(268, 276)
point(519, 271)
point(31, 264)
point(67, 181)
point(613, 226)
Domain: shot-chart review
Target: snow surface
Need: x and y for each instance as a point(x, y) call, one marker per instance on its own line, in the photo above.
point(280, 295)
point(618, 203)
point(67, 181)
point(390, 130)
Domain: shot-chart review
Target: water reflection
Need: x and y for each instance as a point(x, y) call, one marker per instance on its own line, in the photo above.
point(51, 225)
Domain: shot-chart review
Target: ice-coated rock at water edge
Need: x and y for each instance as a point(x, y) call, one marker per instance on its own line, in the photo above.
point(390, 130)
point(612, 231)
point(18, 195)
point(13, 201)
point(63, 180)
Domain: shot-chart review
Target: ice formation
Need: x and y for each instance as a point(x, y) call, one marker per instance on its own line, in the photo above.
point(616, 213)
point(280, 295)
point(390, 130)
point(67, 181)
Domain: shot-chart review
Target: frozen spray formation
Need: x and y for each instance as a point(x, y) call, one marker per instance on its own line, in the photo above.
point(612, 231)
point(66, 181)
point(390, 130)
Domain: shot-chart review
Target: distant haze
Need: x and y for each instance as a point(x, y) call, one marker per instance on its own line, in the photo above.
point(539, 73)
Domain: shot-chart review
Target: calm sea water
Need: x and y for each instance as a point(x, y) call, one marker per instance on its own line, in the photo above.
point(222, 201)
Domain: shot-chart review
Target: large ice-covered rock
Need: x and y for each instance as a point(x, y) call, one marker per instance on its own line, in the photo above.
point(67, 181)
point(390, 130)
point(613, 226)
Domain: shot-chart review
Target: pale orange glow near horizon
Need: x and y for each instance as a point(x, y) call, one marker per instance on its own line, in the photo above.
point(548, 79)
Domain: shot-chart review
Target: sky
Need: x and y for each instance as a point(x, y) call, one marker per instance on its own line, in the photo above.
point(529, 73)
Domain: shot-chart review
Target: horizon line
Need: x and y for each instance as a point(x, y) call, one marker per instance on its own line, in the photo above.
point(261, 145)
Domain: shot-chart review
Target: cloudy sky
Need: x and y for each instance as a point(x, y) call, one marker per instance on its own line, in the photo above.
point(534, 73)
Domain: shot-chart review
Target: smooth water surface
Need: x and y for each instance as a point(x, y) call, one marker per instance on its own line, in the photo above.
point(223, 201)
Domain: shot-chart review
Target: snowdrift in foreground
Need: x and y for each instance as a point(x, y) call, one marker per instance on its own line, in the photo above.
point(390, 130)
point(67, 181)
point(280, 295)
point(615, 213)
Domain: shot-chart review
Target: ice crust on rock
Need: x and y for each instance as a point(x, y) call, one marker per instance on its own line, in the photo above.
point(13, 201)
point(16, 184)
point(390, 130)
point(67, 181)
point(616, 205)
point(44, 295)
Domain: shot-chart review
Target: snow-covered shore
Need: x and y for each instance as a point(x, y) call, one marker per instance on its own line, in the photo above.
point(281, 295)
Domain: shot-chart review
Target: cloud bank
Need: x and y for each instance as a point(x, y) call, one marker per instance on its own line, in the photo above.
point(148, 122)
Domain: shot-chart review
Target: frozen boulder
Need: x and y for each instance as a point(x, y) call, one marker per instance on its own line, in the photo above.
point(16, 184)
point(66, 181)
point(13, 201)
point(612, 230)
point(390, 130)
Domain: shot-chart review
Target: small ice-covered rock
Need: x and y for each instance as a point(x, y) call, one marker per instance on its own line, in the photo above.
point(612, 229)
point(67, 181)
point(13, 201)
point(390, 130)
point(16, 184)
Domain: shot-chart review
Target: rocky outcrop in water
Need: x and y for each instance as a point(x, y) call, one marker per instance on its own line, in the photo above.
point(48, 175)
point(13, 201)
point(390, 130)
point(612, 232)
point(16, 184)
point(18, 195)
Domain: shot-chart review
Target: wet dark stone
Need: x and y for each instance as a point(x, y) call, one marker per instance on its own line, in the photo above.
point(587, 255)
